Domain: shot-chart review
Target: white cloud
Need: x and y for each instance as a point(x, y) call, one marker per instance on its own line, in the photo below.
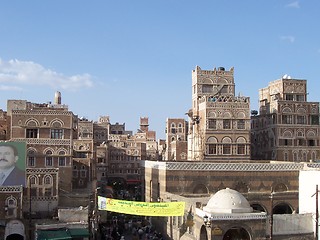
point(290, 39)
point(294, 4)
point(15, 72)
point(10, 88)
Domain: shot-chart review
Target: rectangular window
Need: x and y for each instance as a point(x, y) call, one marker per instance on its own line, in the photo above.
point(301, 120)
point(287, 119)
point(311, 142)
point(32, 133)
point(300, 98)
point(285, 142)
point(289, 97)
point(212, 124)
point(206, 88)
point(56, 133)
point(49, 161)
point(226, 124)
point(48, 192)
point(83, 173)
point(33, 191)
point(241, 149)
point(241, 124)
point(224, 89)
point(212, 149)
point(227, 149)
point(301, 142)
point(62, 161)
point(31, 161)
point(11, 211)
point(314, 119)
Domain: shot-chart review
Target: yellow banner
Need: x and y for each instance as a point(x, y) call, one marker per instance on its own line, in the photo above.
point(141, 208)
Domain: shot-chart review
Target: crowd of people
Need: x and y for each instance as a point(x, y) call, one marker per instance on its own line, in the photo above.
point(129, 228)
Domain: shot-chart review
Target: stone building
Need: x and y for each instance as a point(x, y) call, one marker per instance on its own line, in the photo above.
point(48, 130)
point(148, 137)
point(102, 162)
point(176, 139)
point(11, 198)
point(101, 130)
point(3, 125)
point(219, 121)
point(267, 187)
point(287, 127)
point(125, 154)
point(84, 159)
point(228, 215)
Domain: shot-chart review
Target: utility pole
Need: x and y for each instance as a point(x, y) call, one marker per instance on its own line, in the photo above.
point(30, 209)
point(317, 214)
point(271, 216)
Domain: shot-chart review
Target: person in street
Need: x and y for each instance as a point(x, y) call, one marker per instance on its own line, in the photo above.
point(10, 173)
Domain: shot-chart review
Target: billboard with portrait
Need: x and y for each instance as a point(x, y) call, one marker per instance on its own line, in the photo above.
point(12, 163)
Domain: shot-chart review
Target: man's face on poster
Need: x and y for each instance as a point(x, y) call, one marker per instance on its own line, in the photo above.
point(7, 157)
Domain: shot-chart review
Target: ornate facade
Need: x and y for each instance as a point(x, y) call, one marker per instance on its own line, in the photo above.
point(219, 126)
point(268, 187)
point(176, 139)
point(287, 128)
point(48, 130)
point(3, 125)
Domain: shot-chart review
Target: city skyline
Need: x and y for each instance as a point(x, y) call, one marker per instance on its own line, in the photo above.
point(134, 59)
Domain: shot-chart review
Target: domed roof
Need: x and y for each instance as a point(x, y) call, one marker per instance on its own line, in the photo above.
point(228, 201)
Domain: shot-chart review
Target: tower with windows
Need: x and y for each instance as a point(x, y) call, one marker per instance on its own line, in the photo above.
point(176, 139)
point(219, 126)
point(48, 131)
point(287, 127)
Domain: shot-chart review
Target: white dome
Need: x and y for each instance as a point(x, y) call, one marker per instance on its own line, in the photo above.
point(228, 201)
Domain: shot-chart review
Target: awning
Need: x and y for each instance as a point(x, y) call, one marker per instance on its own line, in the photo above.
point(60, 234)
point(53, 234)
point(79, 232)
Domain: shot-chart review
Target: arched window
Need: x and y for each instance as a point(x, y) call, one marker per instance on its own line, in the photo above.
point(31, 158)
point(173, 128)
point(226, 145)
point(48, 180)
point(33, 180)
point(62, 159)
point(11, 207)
point(304, 156)
point(75, 172)
point(56, 132)
point(211, 146)
point(241, 146)
point(32, 130)
point(180, 128)
point(49, 159)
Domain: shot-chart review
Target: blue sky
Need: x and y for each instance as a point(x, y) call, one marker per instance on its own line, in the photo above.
point(128, 58)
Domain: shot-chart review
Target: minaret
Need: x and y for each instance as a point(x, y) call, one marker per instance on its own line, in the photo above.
point(57, 98)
